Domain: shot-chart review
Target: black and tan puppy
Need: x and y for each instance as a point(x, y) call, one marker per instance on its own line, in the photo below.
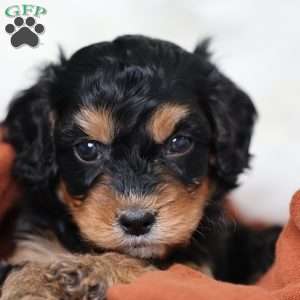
point(128, 148)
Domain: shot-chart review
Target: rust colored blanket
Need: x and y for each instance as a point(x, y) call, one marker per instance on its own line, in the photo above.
point(282, 282)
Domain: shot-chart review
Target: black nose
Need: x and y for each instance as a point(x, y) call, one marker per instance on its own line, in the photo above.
point(137, 222)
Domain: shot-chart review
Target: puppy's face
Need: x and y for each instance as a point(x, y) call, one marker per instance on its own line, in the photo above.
point(141, 135)
point(137, 184)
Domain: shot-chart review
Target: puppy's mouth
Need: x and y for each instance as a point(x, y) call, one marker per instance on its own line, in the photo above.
point(145, 251)
point(142, 247)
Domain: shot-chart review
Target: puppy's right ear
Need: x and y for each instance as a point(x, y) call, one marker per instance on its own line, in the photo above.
point(28, 128)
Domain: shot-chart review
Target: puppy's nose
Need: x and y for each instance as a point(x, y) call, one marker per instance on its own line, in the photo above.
point(137, 222)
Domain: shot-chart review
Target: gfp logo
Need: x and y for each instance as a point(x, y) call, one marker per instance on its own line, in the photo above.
point(25, 30)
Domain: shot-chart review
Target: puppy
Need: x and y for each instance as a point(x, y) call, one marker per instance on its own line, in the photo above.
point(125, 151)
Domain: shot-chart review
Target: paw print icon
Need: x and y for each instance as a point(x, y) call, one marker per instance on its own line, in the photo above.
point(24, 33)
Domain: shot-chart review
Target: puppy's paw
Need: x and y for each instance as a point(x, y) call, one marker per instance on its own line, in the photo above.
point(77, 279)
point(89, 276)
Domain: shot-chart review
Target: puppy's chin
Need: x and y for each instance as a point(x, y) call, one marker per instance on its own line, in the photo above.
point(146, 251)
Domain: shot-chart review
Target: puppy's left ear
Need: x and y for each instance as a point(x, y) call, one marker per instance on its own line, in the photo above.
point(232, 116)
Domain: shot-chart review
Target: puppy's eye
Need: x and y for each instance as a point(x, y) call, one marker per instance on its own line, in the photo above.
point(87, 151)
point(179, 145)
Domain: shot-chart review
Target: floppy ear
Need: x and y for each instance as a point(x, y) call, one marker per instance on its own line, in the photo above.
point(232, 116)
point(29, 130)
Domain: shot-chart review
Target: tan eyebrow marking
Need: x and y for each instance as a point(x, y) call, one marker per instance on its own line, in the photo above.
point(162, 123)
point(97, 123)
